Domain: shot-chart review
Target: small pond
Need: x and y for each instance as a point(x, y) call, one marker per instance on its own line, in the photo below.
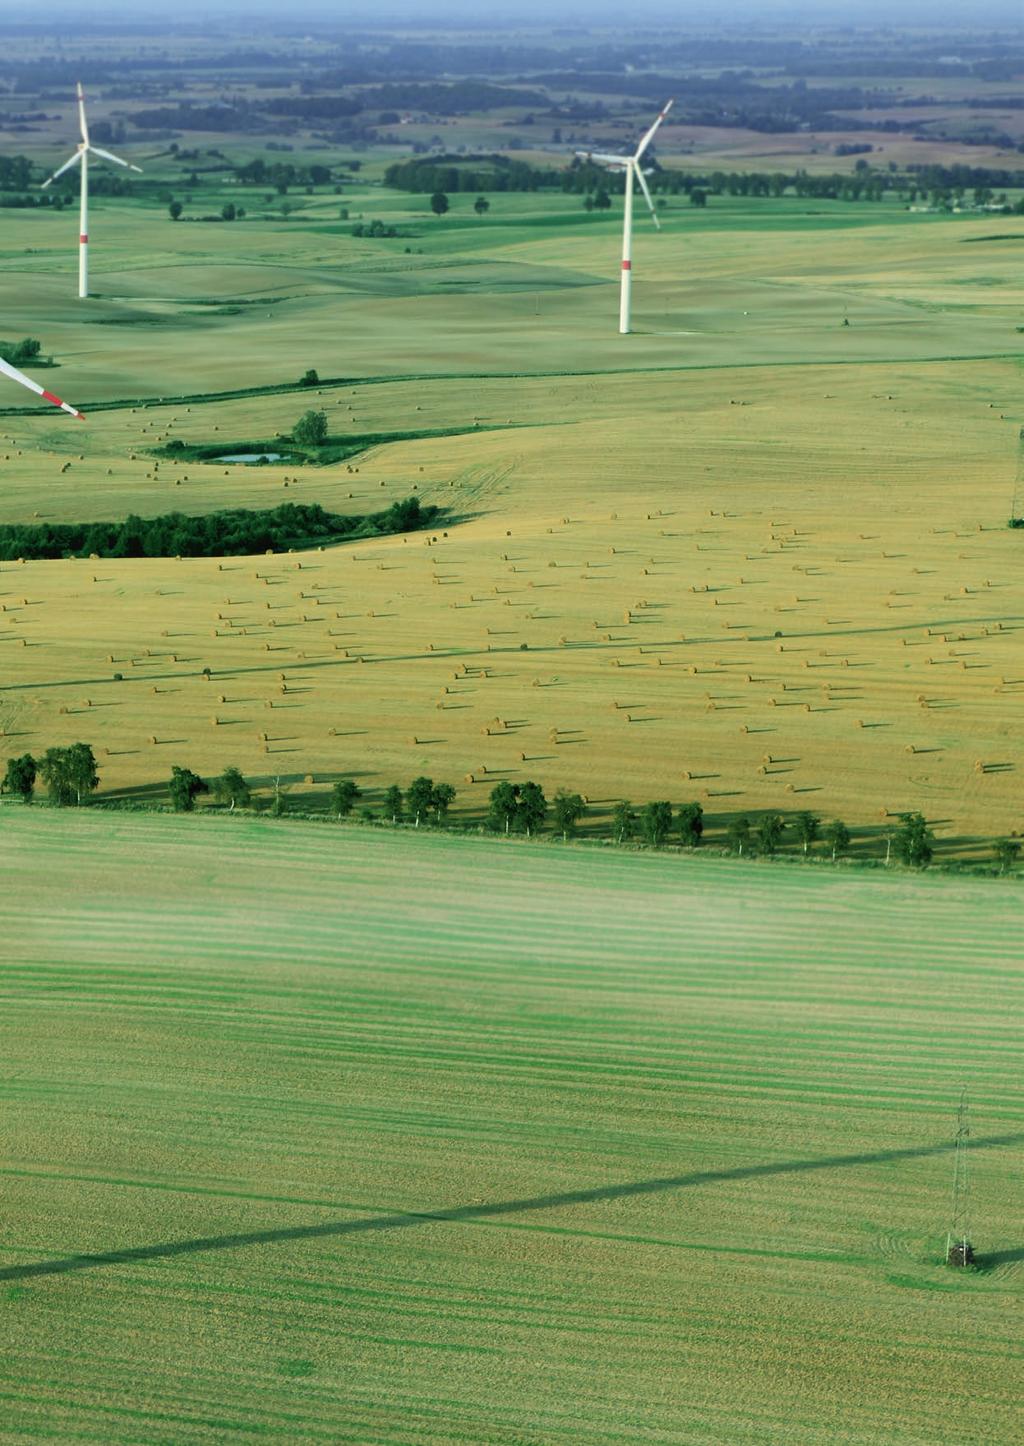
point(253, 457)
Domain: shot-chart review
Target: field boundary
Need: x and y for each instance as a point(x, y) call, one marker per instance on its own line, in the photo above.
point(285, 388)
point(479, 832)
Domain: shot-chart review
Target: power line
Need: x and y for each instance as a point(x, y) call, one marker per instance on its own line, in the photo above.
point(959, 1251)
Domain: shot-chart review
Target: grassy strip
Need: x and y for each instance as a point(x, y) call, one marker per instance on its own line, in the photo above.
point(239, 394)
point(241, 532)
point(282, 388)
point(264, 809)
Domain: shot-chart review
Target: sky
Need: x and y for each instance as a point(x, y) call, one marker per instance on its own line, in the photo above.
point(701, 14)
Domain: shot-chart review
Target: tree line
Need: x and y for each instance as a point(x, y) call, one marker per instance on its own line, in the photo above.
point(489, 172)
point(452, 174)
point(70, 776)
point(238, 532)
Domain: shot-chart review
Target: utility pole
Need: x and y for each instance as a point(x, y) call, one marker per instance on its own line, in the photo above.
point(1017, 506)
point(959, 1251)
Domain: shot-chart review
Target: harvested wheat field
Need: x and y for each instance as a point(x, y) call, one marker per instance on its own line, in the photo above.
point(677, 593)
point(643, 1149)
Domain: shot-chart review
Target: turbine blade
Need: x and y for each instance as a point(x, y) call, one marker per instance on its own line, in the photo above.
point(647, 196)
point(650, 134)
point(65, 167)
point(621, 163)
point(82, 123)
point(16, 376)
point(109, 156)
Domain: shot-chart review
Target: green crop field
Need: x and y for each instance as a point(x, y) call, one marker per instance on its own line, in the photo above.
point(338, 1134)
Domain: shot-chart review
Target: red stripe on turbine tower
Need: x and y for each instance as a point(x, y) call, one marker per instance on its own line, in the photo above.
point(627, 265)
point(83, 239)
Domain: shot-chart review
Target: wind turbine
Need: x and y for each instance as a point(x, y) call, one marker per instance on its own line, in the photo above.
point(16, 376)
point(81, 158)
point(631, 166)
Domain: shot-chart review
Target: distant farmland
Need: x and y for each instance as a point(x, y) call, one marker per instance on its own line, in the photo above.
point(624, 1148)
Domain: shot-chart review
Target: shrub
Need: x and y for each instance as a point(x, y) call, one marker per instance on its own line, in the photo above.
point(623, 821)
point(20, 777)
point(184, 787)
point(769, 833)
point(441, 800)
point(19, 352)
point(504, 802)
point(691, 823)
point(655, 823)
point(915, 842)
point(344, 797)
point(533, 807)
point(569, 808)
point(311, 429)
point(837, 836)
point(808, 827)
point(420, 798)
point(69, 773)
point(232, 789)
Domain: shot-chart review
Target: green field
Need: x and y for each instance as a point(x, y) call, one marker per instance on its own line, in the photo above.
point(336, 1134)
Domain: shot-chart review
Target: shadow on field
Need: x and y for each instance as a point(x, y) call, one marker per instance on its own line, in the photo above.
point(992, 1258)
point(166, 1250)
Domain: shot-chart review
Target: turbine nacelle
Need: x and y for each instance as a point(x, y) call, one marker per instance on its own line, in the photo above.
point(627, 165)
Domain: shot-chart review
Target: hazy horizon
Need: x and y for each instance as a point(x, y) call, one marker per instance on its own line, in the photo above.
point(596, 14)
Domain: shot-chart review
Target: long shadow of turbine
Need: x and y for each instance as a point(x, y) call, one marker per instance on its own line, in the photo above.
point(167, 1250)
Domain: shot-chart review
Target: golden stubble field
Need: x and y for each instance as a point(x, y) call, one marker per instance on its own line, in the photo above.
point(766, 588)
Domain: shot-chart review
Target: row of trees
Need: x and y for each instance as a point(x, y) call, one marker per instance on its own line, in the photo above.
point(228, 212)
point(241, 532)
point(451, 174)
point(70, 775)
point(523, 808)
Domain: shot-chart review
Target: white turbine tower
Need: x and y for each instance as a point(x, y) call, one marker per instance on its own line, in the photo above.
point(8, 371)
point(81, 158)
point(631, 166)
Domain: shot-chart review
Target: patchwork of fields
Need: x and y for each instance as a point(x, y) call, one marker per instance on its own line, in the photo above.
point(604, 1156)
point(324, 1132)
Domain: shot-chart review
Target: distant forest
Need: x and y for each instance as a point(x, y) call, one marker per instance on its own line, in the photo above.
point(353, 85)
